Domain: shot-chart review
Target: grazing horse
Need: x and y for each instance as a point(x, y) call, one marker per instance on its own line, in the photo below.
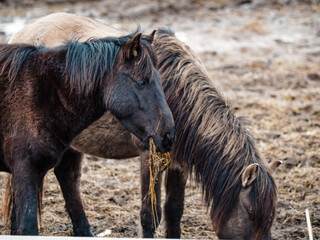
point(212, 144)
point(49, 95)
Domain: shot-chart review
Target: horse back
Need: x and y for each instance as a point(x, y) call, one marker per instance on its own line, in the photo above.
point(59, 28)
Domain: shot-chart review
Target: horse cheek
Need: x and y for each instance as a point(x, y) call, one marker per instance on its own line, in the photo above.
point(122, 101)
point(239, 226)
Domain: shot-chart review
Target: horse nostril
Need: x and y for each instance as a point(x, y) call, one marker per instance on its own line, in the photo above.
point(168, 140)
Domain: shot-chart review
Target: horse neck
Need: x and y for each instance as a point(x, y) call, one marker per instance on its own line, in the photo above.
point(75, 109)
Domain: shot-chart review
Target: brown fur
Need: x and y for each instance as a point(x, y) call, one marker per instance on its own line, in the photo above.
point(49, 95)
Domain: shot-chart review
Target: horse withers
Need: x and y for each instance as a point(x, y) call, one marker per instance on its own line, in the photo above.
point(212, 144)
point(49, 95)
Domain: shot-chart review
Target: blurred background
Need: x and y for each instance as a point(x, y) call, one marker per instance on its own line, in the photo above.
point(263, 55)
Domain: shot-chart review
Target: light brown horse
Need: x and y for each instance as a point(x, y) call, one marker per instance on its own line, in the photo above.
point(211, 142)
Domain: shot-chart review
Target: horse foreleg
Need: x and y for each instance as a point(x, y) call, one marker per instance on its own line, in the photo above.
point(68, 173)
point(175, 192)
point(146, 217)
point(25, 188)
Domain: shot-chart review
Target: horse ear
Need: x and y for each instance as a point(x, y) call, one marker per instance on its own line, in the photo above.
point(132, 47)
point(150, 37)
point(274, 165)
point(249, 174)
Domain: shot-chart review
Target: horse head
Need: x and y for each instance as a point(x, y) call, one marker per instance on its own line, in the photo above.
point(137, 98)
point(241, 223)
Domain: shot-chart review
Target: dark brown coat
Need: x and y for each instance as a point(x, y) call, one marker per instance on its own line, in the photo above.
point(49, 95)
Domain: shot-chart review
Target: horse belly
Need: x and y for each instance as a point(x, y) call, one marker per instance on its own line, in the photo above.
point(107, 138)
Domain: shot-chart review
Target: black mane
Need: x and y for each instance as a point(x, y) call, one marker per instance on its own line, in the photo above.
point(86, 62)
point(12, 57)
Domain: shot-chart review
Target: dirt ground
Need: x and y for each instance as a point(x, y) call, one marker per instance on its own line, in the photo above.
point(265, 58)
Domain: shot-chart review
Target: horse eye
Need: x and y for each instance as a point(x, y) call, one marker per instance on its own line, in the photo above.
point(142, 82)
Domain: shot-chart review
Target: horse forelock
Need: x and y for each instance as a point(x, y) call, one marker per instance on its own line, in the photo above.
point(211, 141)
point(146, 61)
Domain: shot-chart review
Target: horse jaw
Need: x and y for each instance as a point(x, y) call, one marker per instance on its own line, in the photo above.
point(239, 226)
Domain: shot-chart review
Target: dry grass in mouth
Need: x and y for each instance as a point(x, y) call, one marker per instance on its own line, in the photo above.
point(158, 162)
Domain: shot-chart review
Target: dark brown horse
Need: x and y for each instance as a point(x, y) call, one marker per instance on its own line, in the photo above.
point(49, 95)
point(212, 144)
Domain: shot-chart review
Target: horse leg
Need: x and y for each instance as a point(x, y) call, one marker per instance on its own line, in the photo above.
point(68, 173)
point(25, 189)
point(175, 192)
point(146, 218)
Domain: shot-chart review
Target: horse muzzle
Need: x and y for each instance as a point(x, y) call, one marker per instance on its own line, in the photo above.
point(167, 142)
point(163, 144)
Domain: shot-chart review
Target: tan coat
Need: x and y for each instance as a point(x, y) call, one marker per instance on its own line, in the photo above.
point(58, 28)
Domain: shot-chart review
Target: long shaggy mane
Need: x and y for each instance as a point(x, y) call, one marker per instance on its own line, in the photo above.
point(211, 141)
